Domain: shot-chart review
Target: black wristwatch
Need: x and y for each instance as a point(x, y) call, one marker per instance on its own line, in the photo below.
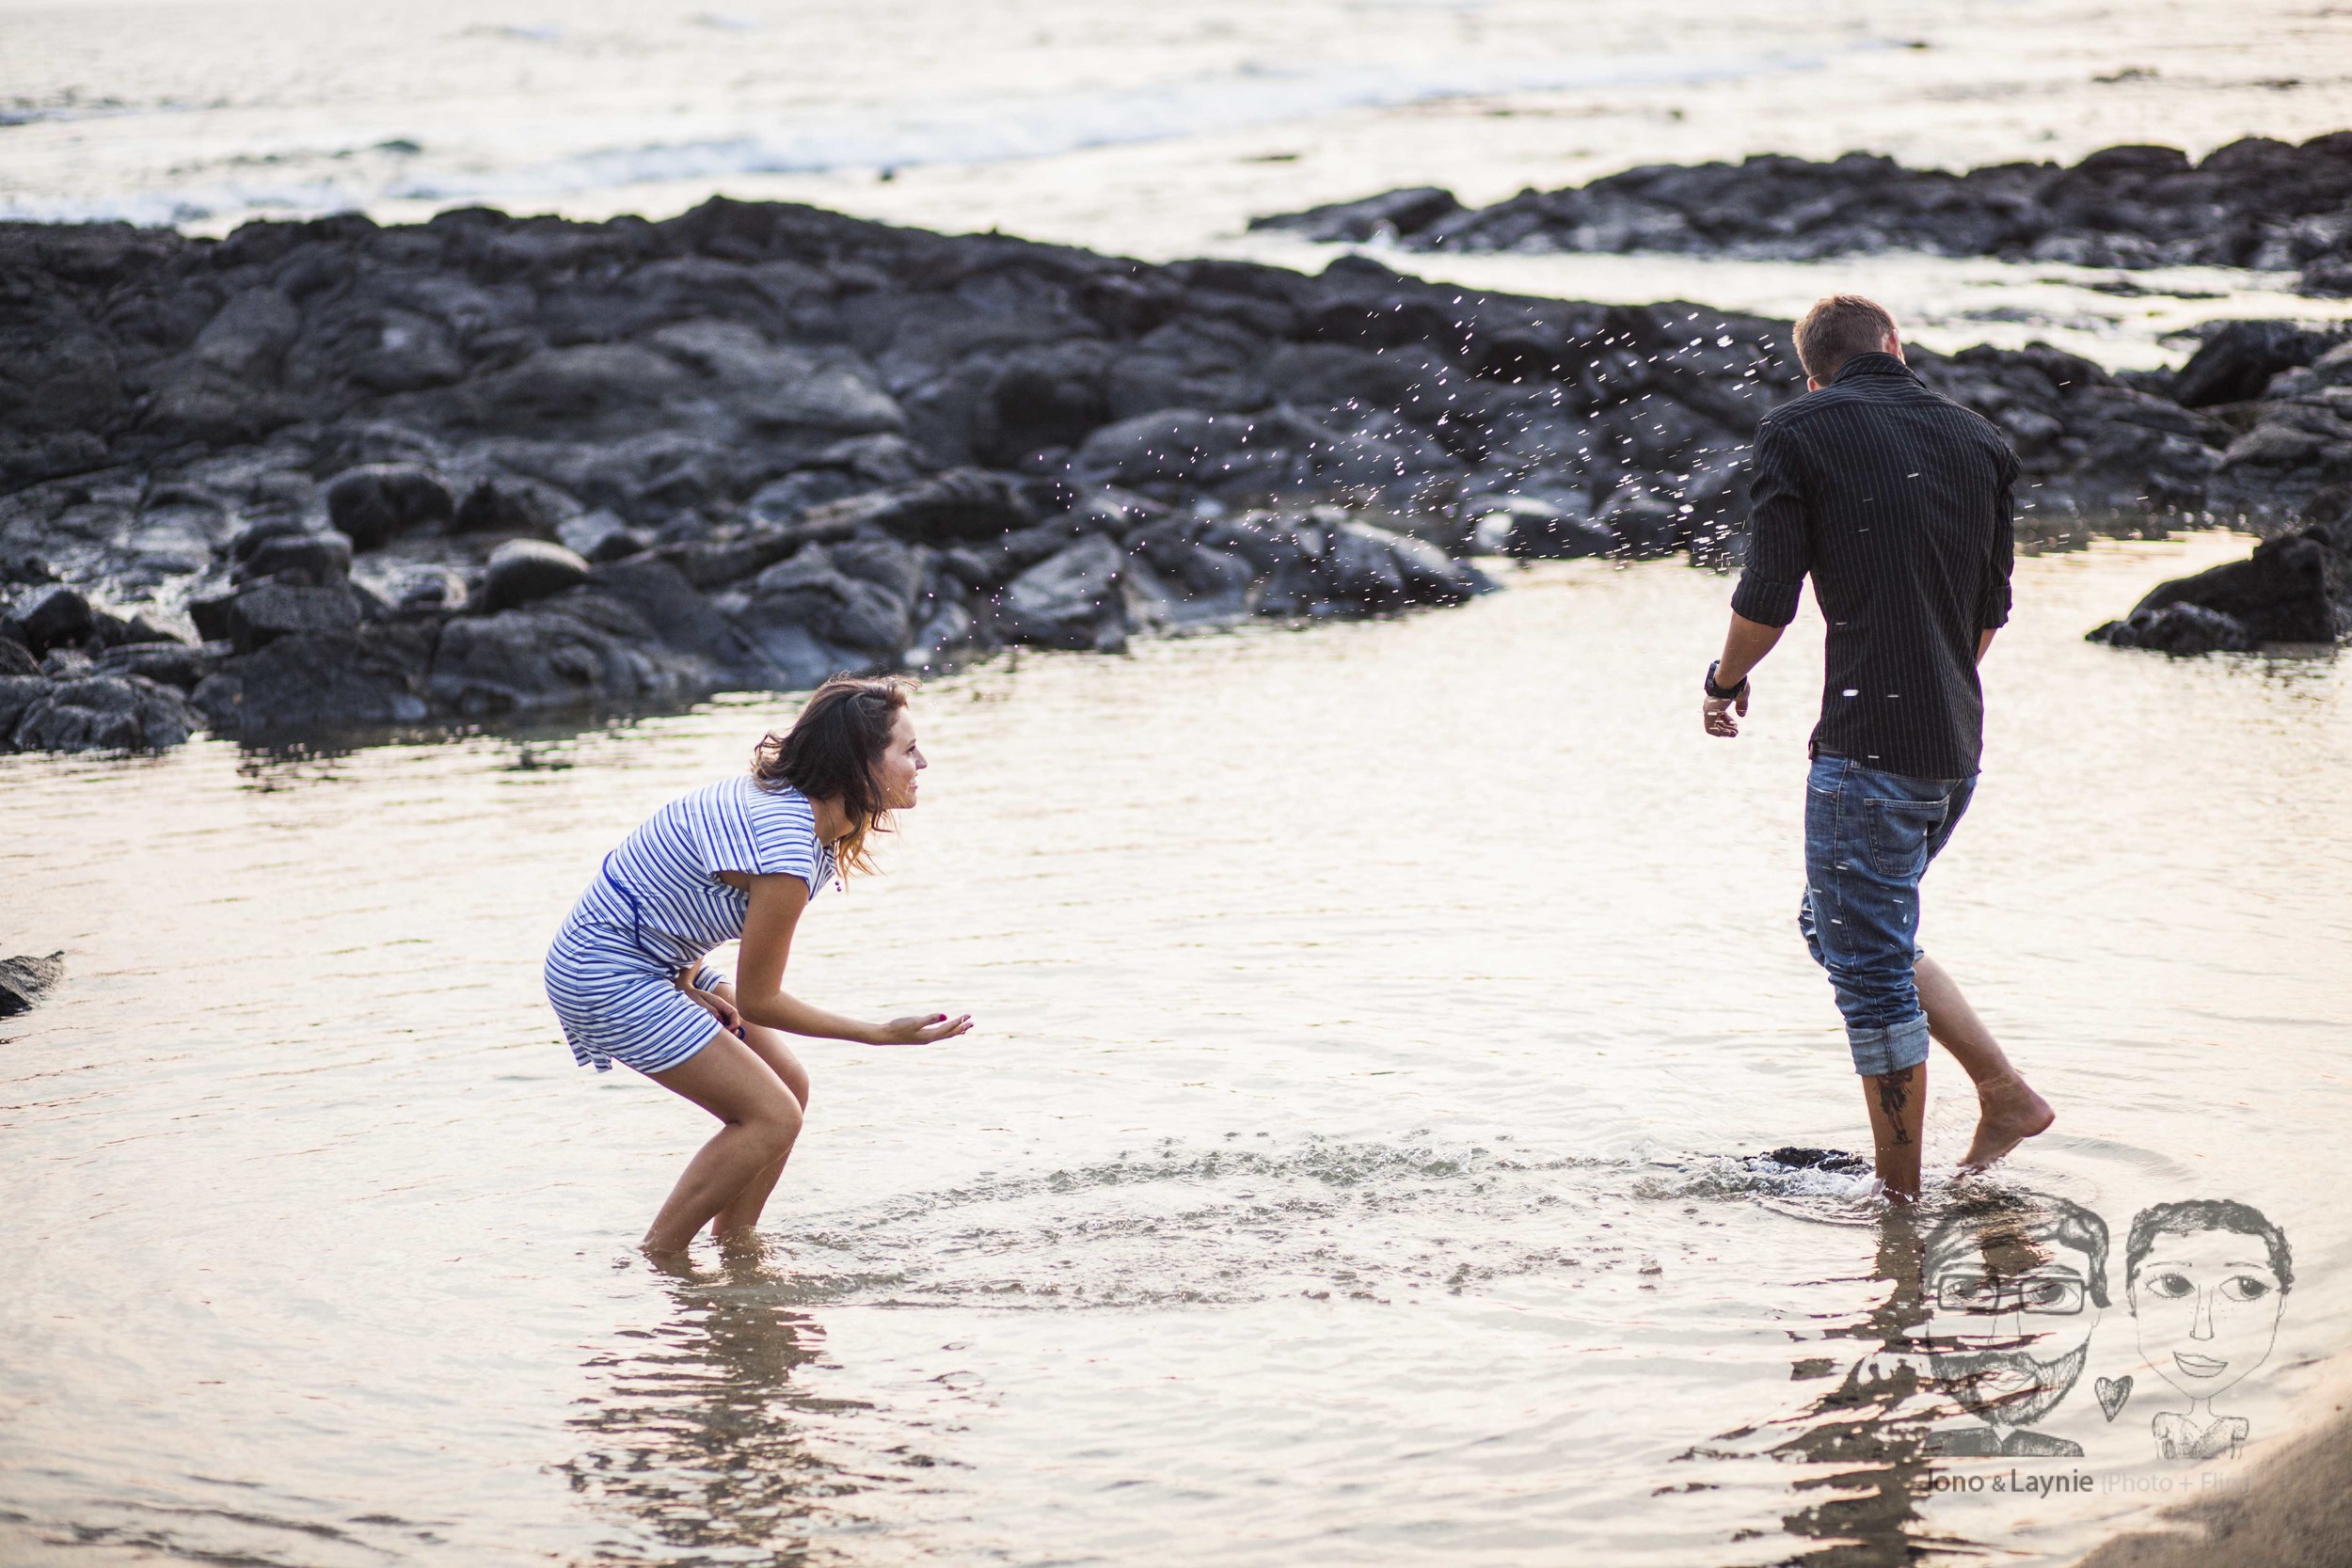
point(1722, 693)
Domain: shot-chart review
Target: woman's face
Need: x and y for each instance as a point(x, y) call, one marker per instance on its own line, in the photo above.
point(901, 759)
point(2208, 1308)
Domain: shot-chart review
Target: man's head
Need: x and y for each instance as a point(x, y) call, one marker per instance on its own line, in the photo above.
point(1836, 330)
point(2015, 1284)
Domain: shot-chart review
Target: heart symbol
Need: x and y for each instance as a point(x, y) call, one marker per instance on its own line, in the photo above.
point(2113, 1391)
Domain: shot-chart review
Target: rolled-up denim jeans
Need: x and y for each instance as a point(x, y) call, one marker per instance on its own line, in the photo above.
point(1868, 838)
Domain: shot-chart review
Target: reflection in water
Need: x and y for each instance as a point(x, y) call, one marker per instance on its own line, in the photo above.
point(1998, 1300)
point(2017, 1284)
point(1863, 1427)
point(699, 1432)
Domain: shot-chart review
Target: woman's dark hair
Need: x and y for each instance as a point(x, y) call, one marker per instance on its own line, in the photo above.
point(830, 751)
point(2190, 1215)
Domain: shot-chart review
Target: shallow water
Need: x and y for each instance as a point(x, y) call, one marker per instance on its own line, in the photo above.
point(1348, 1167)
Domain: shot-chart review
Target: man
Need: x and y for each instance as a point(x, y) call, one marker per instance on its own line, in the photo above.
point(1897, 502)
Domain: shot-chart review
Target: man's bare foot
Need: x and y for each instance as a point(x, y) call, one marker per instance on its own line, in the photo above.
point(2007, 1113)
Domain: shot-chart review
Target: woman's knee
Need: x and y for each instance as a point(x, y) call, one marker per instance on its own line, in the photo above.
point(775, 1125)
point(769, 1045)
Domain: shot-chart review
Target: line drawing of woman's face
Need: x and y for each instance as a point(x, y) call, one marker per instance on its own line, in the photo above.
point(2207, 1306)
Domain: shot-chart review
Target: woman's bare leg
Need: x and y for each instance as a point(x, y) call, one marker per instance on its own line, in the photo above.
point(744, 1210)
point(732, 1082)
point(2008, 1110)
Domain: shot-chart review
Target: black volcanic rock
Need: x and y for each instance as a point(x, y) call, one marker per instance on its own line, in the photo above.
point(2254, 203)
point(2296, 588)
point(2180, 630)
point(2236, 364)
point(1410, 210)
point(369, 675)
point(25, 979)
point(264, 613)
point(784, 442)
point(521, 571)
point(96, 712)
point(313, 560)
point(44, 617)
point(376, 502)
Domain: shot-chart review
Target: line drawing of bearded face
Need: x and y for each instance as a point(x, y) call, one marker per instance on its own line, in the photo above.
point(2015, 1285)
point(2009, 1388)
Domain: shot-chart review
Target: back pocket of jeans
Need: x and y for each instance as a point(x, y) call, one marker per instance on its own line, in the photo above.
point(1899, 832)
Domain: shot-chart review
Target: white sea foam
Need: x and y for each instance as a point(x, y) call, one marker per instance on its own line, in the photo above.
point(974, 130)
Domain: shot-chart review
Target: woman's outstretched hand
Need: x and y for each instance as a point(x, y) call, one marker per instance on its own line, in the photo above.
point(922, 1029)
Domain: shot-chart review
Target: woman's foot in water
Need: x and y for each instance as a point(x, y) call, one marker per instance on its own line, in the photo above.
point(677, 1262)
point(2007, 1113)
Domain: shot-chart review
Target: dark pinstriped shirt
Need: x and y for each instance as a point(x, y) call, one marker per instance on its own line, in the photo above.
point(1898, 503)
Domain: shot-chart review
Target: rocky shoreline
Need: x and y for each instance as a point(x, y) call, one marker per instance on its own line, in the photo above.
point(2257, 203)
point(330, 476)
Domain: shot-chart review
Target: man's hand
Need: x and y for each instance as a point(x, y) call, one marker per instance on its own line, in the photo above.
point(1716, 713)
point(1744, 647)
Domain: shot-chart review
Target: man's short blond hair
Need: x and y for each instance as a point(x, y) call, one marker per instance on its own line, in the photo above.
point(1836, 330)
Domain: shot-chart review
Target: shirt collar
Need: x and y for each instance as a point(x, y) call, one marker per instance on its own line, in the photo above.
point(1872, 363)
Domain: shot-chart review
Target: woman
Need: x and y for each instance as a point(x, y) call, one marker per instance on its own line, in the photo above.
point(2207, 1280)
point(736, 860)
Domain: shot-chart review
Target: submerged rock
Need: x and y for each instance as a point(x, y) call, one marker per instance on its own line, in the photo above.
point(24, 980)
point(2179, 629)
point(1837, 1162)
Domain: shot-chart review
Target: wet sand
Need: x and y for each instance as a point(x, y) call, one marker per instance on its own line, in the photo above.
point(2295, 1513)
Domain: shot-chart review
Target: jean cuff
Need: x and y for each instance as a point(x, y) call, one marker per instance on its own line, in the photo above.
point(1892, 1049)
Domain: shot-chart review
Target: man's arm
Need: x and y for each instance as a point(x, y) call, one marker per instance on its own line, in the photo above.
point(1994, 605)
point(1780, 553)
point(1744, 647)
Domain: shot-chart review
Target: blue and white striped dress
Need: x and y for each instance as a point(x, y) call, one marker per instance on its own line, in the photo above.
point(656, 906)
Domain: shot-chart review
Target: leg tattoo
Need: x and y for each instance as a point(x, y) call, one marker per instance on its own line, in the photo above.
point(1894, 1095)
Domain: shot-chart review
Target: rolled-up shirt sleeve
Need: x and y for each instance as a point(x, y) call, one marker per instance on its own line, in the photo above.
point(1994, 605)
point(1780, 545)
